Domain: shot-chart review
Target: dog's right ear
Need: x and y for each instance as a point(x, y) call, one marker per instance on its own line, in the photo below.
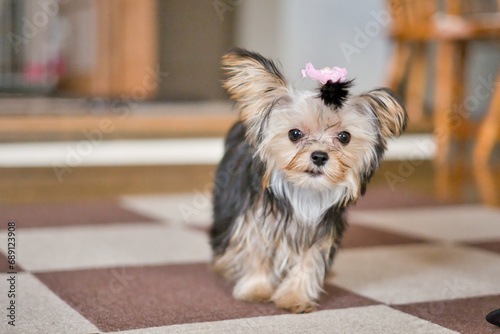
point(257, 85)
point(387, 108)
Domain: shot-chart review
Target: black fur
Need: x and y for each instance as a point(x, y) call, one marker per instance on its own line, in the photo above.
point(368, 172)
point(334, 222)
point(335, 215)
point(335, 219)
point(335, 93)
point(237, 186)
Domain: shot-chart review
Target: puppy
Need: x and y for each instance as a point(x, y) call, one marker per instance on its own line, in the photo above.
point(293, 163)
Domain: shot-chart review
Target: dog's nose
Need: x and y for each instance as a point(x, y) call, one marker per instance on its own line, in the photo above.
point(319, 158)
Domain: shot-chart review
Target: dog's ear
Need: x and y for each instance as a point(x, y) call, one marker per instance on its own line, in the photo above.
point(257, 85)
point(386, 107)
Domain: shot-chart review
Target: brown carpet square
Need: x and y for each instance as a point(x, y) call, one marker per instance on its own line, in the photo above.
point(385, 198)
point(4, 265)
point(141, 297)
point(362, 236)
point(68, 214)
point(462, 315)
point(492, 246)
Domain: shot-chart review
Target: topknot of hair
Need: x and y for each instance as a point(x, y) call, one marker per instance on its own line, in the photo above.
point(335, 93)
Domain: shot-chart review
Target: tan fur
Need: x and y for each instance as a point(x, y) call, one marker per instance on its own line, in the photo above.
point(280, 267)
point(287, 265)
point(321, 126)
point(304, 282)
point(266, 179)
point(267, 262)
point(391, 115)
point(254, 88)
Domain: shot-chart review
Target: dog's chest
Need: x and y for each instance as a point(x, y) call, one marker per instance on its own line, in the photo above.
point(308, 206)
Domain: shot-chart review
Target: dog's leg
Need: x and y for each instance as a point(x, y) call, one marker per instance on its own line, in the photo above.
point(304, 282)
point(253, 277)
point(248, 262)
point(256, 283)
point(251, 272)
point(255, 286)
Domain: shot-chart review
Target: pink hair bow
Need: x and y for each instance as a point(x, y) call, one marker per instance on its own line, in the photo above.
point(336, 74)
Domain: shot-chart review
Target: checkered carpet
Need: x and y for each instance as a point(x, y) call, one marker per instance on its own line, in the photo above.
point(409, 264)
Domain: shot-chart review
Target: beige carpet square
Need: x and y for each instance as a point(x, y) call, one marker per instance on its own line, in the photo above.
point(417, 273)
point(452, 223)
point(39, 310)
point(51, 249)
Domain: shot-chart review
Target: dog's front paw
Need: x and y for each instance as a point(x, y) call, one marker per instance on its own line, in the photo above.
point(296, 307)
point(294, 302)
point(303, 308)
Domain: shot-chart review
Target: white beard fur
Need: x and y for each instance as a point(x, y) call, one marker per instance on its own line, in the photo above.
point(308, 205)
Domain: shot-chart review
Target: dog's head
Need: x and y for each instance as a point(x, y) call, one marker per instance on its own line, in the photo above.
point(319, 139)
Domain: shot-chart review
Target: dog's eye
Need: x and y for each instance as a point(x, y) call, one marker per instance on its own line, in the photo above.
point(295, 135)
point(344, 137)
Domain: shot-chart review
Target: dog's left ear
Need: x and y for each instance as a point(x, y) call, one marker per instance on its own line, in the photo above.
point(257, 85)
point(387, 107)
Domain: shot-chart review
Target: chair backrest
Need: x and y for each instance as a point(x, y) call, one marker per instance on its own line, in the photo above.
point(412, 19)
point(415, 19)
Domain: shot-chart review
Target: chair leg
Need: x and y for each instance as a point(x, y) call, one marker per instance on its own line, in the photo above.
point(398, 65)
point(443, 101)
point(415, 89)
point(489, 130)
point(460, 124)
point(485, 180)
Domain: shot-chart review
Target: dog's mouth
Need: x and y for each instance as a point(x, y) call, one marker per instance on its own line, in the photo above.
point(313, 173)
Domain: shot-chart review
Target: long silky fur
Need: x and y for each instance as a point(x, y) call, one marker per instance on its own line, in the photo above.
point(238, 187)
point(256, 84)
point(274, 236)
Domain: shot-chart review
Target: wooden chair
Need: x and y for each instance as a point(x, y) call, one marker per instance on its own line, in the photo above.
point(415, 25)
point(411, 31)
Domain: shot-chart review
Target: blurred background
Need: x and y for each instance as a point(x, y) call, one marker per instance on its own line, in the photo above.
point(103, 98)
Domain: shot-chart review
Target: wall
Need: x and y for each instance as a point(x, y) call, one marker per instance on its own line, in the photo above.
point(351, 34)
point(194, 34)
point(317, 31)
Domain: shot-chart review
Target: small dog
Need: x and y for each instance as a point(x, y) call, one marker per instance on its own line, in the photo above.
point(292, 164)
